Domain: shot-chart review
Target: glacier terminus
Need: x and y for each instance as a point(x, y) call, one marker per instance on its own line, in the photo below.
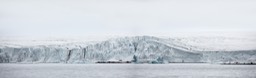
point(146, 49)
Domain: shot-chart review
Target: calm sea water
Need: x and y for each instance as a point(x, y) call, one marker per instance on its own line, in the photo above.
point(126, 71)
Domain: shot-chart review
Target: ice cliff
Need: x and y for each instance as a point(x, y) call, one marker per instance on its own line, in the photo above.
point(146, 48)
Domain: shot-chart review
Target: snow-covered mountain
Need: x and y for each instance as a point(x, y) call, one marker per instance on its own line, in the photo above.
point(146, 48)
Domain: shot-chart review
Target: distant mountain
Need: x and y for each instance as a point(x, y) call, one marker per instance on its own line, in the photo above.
point(146, 48)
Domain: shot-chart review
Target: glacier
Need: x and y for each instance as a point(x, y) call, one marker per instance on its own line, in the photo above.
point(146, 48)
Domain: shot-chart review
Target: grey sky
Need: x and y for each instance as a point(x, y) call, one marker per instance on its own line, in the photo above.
point(122, 17)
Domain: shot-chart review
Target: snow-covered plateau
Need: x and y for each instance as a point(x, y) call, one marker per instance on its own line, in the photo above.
point(147, 48)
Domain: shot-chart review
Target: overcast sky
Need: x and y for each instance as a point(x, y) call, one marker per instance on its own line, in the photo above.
point(38, 18)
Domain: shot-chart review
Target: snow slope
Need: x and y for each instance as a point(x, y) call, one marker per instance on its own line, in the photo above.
point(146, 48)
